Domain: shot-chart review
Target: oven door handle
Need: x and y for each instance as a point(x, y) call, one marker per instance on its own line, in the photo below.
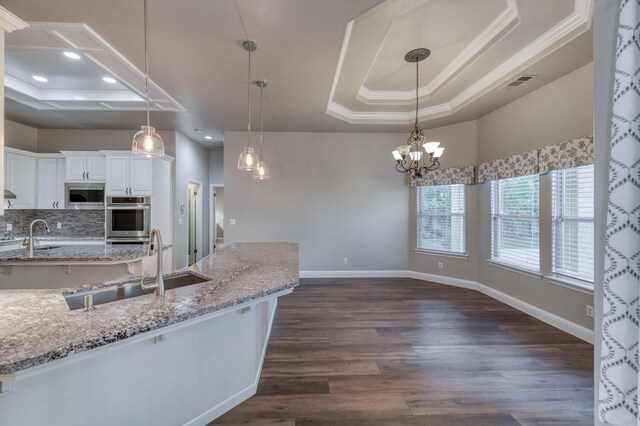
point(129, 207)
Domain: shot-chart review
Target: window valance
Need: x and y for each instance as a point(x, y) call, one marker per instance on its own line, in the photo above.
point(450, 176)
point(509, 167)
point(566, 155)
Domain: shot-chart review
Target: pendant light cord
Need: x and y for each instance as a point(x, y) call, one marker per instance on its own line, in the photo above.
point(417, 83)
point(249, 103)
point(261, 121)
point(146, 63)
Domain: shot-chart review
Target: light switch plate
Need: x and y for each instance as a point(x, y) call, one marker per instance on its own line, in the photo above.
point(9, 227)
point(232, 221)
point(179, 221)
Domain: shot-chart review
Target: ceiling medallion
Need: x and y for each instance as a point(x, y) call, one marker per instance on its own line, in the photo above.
point(409, 158)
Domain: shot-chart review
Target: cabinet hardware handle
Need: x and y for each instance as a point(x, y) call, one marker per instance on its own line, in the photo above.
point(87, 175)
point(84, 175)
point(9, 203)
point(53, 204)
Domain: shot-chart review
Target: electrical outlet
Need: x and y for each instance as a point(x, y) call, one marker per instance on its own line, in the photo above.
point(59, 226)
point(345, 260)
point(440, 265)
point(590, 311)
point(179, 221)
point(9, 227)
point(232, 221)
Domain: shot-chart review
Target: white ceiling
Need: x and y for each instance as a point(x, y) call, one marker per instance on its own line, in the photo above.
point(196, 59)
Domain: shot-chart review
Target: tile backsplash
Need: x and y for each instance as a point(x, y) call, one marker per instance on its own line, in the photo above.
point(75, 223)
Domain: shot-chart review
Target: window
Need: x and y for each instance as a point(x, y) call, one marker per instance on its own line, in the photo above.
point(572, 225)
point(441, 211)
point(515, 231)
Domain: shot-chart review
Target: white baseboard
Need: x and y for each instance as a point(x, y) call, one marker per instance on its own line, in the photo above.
point(355, 274)
point(552, 319)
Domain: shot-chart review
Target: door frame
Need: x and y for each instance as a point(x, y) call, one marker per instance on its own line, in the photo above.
point(213, 229)
point(199, 221)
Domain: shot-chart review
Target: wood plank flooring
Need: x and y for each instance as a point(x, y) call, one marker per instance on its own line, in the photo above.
point(405, 352)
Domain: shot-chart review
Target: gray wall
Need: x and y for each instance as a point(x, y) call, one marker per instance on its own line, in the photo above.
point(19, 136)
point(216, 167)
point(559, 111)
point(192, 162)
point(335, 194)
point(604, 29)
point(460, 142)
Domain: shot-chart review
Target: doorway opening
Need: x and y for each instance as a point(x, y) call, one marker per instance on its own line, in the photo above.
point(216, 218)
point(194, 217)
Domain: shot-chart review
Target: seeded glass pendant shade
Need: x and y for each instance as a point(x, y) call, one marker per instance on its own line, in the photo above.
point(248, 159)
point(147, 142)
point(261, 172)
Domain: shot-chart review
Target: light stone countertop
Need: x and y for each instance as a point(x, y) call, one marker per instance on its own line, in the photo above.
point(36, 326)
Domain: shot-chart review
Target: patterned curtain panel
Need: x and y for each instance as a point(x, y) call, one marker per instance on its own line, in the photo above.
point(509, 167)
point(619, 370)
point(573, 153)
point(451, 176)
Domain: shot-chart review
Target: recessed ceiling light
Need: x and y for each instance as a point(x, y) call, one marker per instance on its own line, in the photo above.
point(208, 137)
point(109, 80)
point(39, 78)
point(72, 55)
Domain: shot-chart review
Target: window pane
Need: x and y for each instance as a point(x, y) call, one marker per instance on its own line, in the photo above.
point(573, 217)
point(515, 236)
point(441, 220)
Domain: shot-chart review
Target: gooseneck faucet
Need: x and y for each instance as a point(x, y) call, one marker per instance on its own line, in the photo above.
point(157, 249)
point(46, 227)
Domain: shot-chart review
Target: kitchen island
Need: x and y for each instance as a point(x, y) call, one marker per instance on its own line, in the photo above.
point(59, 263)
point(184, 358)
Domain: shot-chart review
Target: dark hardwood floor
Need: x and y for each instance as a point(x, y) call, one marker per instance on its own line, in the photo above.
point(406, 352)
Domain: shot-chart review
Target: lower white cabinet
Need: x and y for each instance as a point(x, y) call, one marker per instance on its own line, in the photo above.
point(129, 176)
point(20, 178)
point(51, 177)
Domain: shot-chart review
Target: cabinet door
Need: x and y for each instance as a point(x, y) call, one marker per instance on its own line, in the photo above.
point(47, 183)
point(141, 176)
point(117, 176)
point(95, 168)
point(60, 172)
point(76, 168)
point(20, 176)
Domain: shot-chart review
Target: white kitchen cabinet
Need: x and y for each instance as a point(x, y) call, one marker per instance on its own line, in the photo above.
point(128, 175)
point(21, 178)
point(84, 166)
point(51, 177)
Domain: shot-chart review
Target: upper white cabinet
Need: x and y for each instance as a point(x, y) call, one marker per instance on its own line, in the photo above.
point(129, 176)
point(51, 178)
point(21, 178)
point(84, 166)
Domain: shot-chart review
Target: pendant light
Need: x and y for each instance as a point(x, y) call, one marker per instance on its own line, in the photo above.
point(147, 142)
point(410, 158)
point(262, 170)
point(248, 159)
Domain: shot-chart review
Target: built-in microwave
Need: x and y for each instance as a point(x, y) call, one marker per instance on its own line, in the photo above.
point(127, 218)
point(84, 196)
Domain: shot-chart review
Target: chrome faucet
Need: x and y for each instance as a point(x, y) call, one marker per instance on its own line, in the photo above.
point(159, 284)
point(46, 227)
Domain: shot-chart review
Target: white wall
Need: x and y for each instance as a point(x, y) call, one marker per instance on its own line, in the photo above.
point(216, 167)
point(192, 162)
point(336, 194)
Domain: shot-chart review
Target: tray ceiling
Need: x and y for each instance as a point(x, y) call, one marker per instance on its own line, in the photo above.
point(476, 47)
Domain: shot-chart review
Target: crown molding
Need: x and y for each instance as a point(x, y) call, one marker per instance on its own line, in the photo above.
point(10, 22)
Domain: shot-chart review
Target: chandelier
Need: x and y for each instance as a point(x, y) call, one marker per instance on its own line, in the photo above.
point(417, 157)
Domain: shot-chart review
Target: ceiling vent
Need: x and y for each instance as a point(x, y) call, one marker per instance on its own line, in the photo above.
point(518, 81)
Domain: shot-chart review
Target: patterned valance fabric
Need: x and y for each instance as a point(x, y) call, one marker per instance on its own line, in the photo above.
point(451, 176)
point(509, 167)
point(573, 153)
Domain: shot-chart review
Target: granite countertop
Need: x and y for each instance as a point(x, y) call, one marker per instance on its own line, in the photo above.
point(36, 326)
point(77, 253)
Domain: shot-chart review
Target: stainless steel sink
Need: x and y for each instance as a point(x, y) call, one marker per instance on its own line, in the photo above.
point(42, 248)
point(134, 289)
